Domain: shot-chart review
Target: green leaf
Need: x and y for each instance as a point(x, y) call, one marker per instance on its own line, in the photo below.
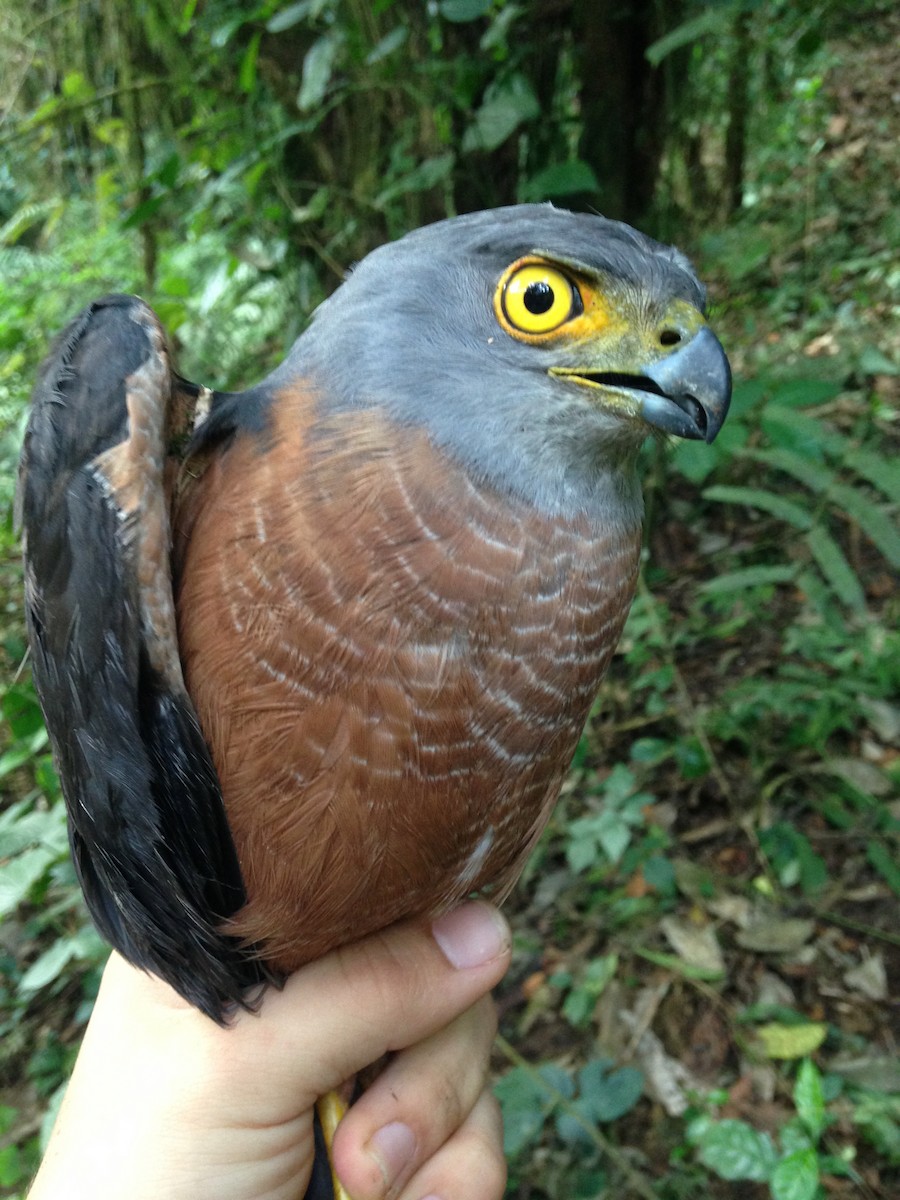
point(555, 1079)
point(294, 14)
point(497, 33)
point(712, 20)
point(318, 66)
point(659, 874)
point(11, 760)
point(21, 710)
point(691, 758)
point(47, 966)
point(143, 213)
point(793, 1136)
point(503, 111)
point(187, 17)
point(803, 393)
point(809, 1099)
point(791, 1041)
point(734, 1150)
point(608, 1096)
point(875, 469)
point(810, 472)
point(427, 174)
point(818, 478)
point(84, 945)
point(694, 460)
point(784, 510)
point(878, 1117)
point(44, 112)
point(223, 34)
point(12, 1168)
point(75, 87)
point(247, 73)
point(833, 564)
point(460, 11)
point(788, 429)
point(525, 1103)
point(885, 864)
point(677, 965)
point(21, 829)
point(20, 874)
point(749, 577)
point(582, 998)
point(873, 362)
point(796, 1177)
point(168, 173)
point(559, 179)
point(610, 829)
point(874, 523)
point(388, 44)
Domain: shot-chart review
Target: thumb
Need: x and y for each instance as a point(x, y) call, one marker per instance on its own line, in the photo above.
point(391, 990)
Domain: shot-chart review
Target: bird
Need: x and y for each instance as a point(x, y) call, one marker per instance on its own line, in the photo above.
point(315, 656)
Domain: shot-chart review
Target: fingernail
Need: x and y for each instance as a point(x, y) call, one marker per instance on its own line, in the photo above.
point(472, 935)
point(393, 1147)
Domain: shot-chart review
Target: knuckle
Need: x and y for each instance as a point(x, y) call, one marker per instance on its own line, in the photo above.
point(452, 1111)
point(377, 969)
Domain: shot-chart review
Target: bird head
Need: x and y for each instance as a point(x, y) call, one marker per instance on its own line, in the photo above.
point(537, 346)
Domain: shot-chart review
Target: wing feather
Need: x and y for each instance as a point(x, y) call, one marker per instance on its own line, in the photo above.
point(147, 825)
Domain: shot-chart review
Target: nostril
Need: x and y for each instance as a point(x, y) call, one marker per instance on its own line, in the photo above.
point(669, 337)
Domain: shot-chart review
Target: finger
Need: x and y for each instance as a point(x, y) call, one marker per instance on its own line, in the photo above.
point(415, 1105)
point(332, 1018)
point(381, 994)
point(470, 1163)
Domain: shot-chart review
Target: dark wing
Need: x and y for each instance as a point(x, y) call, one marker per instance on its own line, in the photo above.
point(147, 825)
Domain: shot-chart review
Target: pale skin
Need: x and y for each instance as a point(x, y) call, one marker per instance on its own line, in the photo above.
point(165, 1105)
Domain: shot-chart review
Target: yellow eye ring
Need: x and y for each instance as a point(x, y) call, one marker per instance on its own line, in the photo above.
point(538, 298)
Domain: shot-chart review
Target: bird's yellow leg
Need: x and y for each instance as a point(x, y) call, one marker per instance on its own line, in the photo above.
point(331, 1108)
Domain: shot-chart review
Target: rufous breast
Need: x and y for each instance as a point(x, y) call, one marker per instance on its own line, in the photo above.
point(392, 663)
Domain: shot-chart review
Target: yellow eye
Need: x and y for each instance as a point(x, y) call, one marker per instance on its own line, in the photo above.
point(538, 298)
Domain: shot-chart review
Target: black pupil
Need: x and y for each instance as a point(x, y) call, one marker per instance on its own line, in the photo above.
point(538, 298)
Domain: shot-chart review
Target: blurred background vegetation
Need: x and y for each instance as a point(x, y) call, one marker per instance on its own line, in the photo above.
point(706, 940)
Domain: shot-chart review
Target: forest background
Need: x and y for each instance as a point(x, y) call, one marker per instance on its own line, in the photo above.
point(705, 970)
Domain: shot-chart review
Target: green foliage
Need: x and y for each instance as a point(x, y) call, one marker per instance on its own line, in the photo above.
point(585, 988)
point(794, 1165)
point(605, 834)
point(60, 952)
point(575, 1102)
point(17, 1163)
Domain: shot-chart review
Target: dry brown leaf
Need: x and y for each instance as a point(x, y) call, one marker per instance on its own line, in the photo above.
point(776, 935)
point(696, 944)
point(823, 346)
point(666, 1079)
point(869, 978)
point(736, 909)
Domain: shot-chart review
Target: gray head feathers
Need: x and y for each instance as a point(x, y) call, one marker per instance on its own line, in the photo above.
point(413, 332)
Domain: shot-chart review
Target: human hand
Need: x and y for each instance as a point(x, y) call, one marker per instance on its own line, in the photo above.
point(164, 1104)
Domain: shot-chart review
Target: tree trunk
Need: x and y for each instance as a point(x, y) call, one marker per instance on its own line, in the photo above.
point(623, 101)
point(738, 91)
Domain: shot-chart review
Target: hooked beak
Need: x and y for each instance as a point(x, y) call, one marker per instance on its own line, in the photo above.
point(686, 393)
point(693, 389)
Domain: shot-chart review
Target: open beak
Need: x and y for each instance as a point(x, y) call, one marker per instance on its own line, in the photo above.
point(686, 393)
